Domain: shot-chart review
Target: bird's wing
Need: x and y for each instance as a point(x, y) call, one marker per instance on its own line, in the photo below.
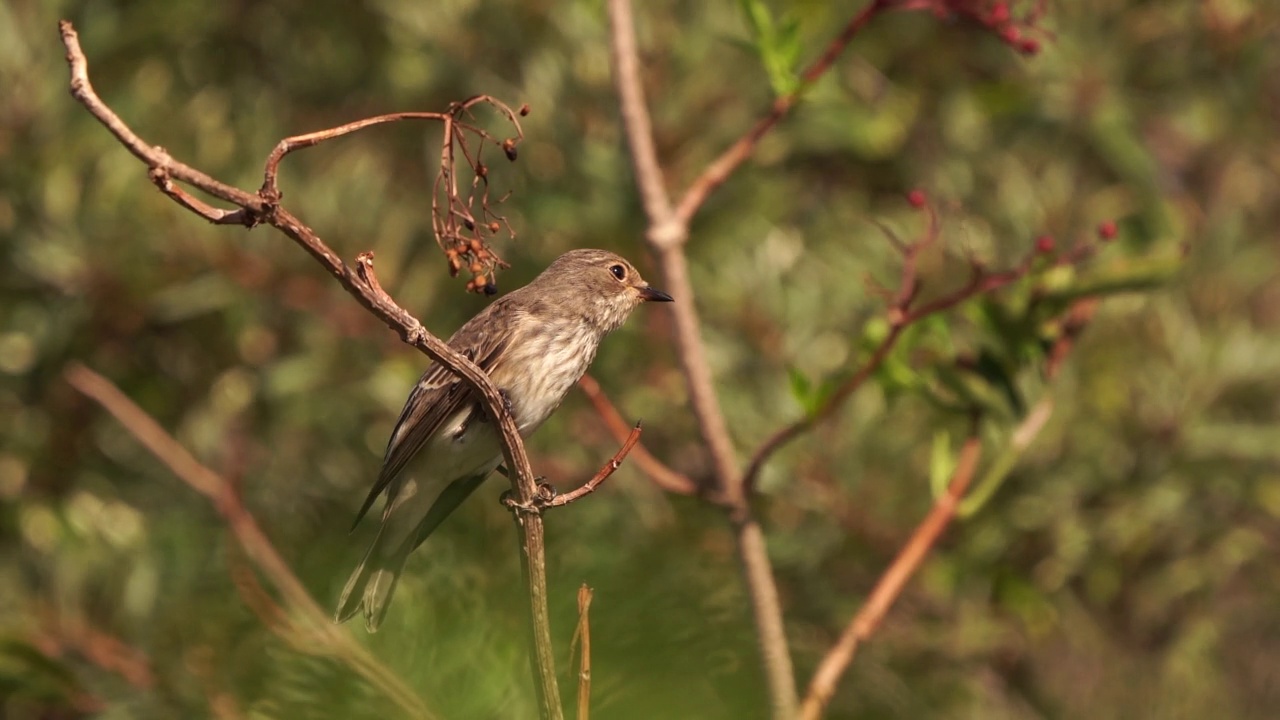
point(440, 394)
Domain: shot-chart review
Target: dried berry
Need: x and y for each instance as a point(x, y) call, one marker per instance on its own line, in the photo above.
point(509, 147)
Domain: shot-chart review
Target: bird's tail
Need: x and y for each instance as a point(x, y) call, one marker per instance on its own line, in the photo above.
point(404, 527)
point(370, 587)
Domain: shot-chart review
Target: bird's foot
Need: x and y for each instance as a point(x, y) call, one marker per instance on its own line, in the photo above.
point(544, 493)
point(508, 500)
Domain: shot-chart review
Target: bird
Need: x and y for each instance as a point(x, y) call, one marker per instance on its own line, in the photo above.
point(535, 343)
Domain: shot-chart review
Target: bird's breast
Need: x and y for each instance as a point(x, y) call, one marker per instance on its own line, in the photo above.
point(543, 368)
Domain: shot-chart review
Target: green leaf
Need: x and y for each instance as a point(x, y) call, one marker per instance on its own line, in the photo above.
point(1139, 277)
point(777, 42)
point(801, 388)
point(973, 390)
point(993, 371)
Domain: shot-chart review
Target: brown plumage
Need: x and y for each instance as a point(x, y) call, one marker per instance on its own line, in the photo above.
point(535, 343)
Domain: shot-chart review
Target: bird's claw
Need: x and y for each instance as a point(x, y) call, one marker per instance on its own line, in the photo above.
point(508, 500)
point(546, 491)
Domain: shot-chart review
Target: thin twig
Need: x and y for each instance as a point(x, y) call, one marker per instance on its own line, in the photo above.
point(902, 313)
point(960, 493)
point(666, 234)
point(582, 640)
point(155, 157)
point(108, 652)
point(523, 484)
point(464, 244)
point(890, 585)
point(658, 471)
point(603, 474)
point(668, 231)
point(909, 559)
point(791, 431)
point(315, 621)
point(714, 175)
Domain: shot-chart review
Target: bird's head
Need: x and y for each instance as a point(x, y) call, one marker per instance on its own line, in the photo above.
point(600, 284)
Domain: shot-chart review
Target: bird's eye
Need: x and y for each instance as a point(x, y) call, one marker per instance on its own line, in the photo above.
point(618, 272)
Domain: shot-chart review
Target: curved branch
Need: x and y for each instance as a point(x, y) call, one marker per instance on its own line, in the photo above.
point(666, 235)
point(523, 485)
point(902, 313)
point(315, 628)
point(716, 173)
point(891, 583)
point(661, 474)
point(603, 474)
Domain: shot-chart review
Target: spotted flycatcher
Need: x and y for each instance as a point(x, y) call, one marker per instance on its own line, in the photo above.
point(534, 343)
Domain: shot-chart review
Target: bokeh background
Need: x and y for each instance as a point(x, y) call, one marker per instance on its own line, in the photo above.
point(1126, 569)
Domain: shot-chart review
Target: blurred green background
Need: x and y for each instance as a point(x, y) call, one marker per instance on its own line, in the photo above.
point(1126, 569)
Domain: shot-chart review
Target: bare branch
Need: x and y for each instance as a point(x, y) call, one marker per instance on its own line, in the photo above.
point(582, 640)
point(890, 585)
point(668, 231)
point(666, 235)
point(160, 178)
point(715, 174)
point(787, 433)
point(635, 120)
point(902, 313)
point(154, 157)
point(57, 634)
point(312, 621)
point(909, 559)
point(603, 474)
point(662, 475)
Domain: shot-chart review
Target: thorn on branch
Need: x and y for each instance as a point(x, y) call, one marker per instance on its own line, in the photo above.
point(364, 270)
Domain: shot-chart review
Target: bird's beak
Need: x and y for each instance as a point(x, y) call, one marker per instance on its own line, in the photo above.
point(652, 294)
